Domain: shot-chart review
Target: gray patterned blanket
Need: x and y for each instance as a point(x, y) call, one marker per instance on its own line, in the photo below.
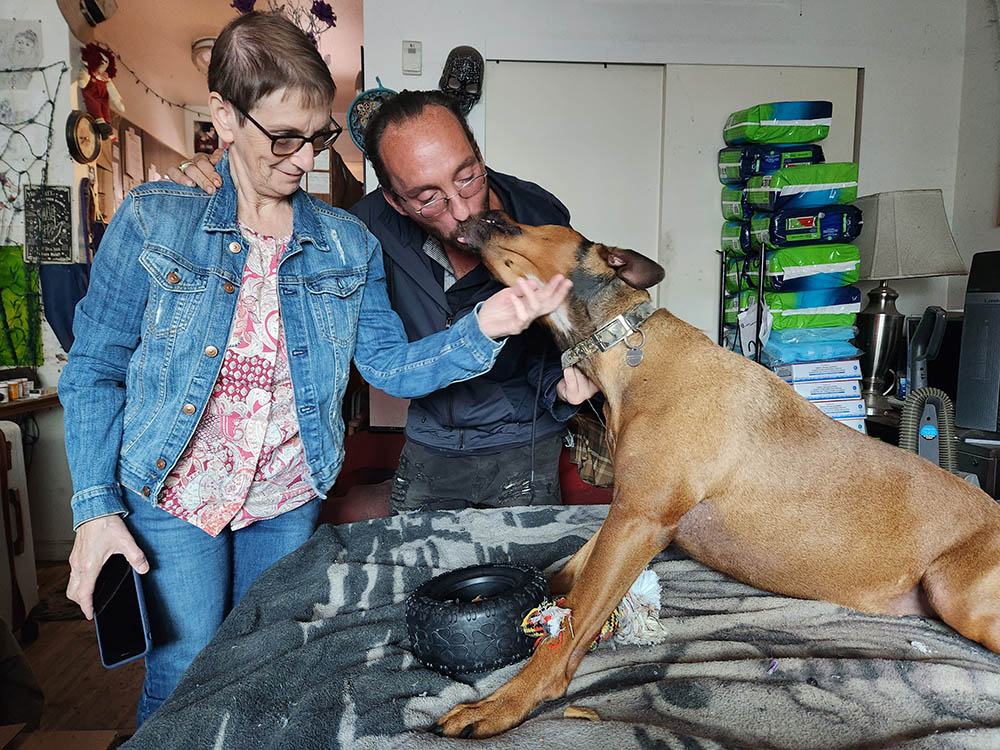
point(316, 656)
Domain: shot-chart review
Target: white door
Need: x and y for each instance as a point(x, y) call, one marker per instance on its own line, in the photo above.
point(591, 134)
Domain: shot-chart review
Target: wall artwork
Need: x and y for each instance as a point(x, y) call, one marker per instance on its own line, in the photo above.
point(206, 140)
point(20, 316)
point(20, 47)
point(48, 228)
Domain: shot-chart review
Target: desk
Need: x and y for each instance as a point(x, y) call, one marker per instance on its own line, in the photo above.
point(11, 409)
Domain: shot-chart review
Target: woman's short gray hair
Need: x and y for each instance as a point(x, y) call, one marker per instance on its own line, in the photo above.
point(260, 53)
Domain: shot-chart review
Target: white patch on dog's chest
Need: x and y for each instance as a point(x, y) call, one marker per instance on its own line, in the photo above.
point(560, 320)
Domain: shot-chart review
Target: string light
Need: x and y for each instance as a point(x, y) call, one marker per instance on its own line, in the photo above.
point(11, 198)
point(150, 91)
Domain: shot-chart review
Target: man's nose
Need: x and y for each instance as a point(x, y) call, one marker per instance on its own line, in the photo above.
point(459, 207)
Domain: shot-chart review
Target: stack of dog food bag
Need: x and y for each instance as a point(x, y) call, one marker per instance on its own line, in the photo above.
point(787, 208)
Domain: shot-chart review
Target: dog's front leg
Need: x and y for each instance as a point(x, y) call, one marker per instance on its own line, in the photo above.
point(562, 582)
point(622, 547)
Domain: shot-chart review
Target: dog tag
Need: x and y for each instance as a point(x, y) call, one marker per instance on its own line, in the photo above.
point(633, 357)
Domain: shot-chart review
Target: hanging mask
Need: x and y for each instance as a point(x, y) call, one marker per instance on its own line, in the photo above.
point(462, 76)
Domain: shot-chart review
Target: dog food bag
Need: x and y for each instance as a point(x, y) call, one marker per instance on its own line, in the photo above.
point(736, 237)
point(739, 163)
point(796, 269)
point(810, 186)
point(795, 227)
point(734, 203)
point(814, 308)
point(779, 122)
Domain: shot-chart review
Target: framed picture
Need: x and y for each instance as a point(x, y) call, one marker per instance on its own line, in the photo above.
point(206, 140)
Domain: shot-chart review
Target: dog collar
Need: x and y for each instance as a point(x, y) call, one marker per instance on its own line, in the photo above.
point(615, 331)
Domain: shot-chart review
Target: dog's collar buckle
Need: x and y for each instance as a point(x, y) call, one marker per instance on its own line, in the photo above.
point(616, 330)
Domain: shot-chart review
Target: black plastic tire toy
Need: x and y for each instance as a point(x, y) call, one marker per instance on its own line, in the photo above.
point(453, 634)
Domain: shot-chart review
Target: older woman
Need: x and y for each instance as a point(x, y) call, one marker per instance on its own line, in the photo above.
point(203, 391)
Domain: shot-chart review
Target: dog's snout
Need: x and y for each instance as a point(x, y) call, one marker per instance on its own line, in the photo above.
point(478, 229)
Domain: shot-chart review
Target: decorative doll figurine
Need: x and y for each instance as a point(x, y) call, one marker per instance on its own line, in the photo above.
point(99, 92)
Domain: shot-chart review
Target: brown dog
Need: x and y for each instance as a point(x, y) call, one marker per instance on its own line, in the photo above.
point(715, 452)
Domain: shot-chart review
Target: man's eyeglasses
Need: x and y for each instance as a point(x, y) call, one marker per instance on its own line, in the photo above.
point(468, 189)
point(286, 145)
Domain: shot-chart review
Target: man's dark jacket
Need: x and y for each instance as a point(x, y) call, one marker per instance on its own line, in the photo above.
point(494, 411)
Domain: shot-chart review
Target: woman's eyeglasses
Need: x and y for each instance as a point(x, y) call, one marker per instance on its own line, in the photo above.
point(286, 145)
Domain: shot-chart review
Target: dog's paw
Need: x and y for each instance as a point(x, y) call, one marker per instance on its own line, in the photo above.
point(484, 718)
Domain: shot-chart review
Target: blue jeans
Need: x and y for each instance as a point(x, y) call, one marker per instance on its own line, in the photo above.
point(194, 580)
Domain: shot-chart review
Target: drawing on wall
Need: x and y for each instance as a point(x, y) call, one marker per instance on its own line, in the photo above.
point(20, 47)
point(206, 140)
point(48, 229)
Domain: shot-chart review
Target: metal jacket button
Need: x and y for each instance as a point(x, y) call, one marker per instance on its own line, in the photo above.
point(173, 278)
point(146, 491)
point(189, 408)
point(211, 351)
point(161, 464)
point(228, 287)
point(235, 247)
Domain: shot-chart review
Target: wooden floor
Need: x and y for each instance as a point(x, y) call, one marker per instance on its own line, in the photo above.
point(79, 692)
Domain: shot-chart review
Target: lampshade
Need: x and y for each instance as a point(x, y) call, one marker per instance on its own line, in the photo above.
point(201, 53)
point(906, 235)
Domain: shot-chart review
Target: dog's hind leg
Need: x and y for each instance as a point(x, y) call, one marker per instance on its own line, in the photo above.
point(963, 587)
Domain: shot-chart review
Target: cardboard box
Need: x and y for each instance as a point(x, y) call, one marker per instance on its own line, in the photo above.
point(854, 424)
point(845, 408)
point(840, 369)
point(828, 390)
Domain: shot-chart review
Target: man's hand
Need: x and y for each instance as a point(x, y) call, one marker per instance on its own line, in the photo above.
point(511, 310)
point(199, 171)
point(575, 387)
point(96, 541)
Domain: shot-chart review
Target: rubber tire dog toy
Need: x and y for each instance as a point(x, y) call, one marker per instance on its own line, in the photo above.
point(453, 634)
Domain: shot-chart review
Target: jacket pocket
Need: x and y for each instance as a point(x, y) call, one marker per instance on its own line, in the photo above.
point(175, 290)
point(335, 300)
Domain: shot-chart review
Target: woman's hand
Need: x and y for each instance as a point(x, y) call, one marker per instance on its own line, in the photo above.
point(575, 387)
point(511, 310)
point(198, 171)
point(96, 541)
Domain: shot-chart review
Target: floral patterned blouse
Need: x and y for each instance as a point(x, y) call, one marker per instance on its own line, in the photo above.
point(245, 461)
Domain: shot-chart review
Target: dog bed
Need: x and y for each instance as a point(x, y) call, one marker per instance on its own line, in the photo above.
point(739, 163)
point(779, 122)
point(804, 187)
point(814, 308)
point(796, 269)
point(796, 227)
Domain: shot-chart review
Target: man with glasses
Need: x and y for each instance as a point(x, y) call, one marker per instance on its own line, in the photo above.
point(493, 440)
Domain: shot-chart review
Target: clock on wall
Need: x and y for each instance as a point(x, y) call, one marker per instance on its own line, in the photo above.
point(82, 137)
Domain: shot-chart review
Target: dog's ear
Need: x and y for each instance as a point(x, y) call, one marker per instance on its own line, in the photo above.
point(635, 269)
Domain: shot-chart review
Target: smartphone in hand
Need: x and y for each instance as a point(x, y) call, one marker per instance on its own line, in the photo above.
point(120, 613)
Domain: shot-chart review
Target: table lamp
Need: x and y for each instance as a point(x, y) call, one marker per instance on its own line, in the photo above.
point(905, 236)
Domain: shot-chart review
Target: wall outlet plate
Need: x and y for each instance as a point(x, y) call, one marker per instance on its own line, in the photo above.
point(412, 58)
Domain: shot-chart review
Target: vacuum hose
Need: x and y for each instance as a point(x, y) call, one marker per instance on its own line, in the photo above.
point(910, 425)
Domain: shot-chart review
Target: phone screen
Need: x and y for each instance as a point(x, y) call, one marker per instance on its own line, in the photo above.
point(119, 613)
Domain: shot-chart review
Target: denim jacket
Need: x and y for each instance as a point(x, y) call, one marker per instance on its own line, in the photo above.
point(152, 331)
